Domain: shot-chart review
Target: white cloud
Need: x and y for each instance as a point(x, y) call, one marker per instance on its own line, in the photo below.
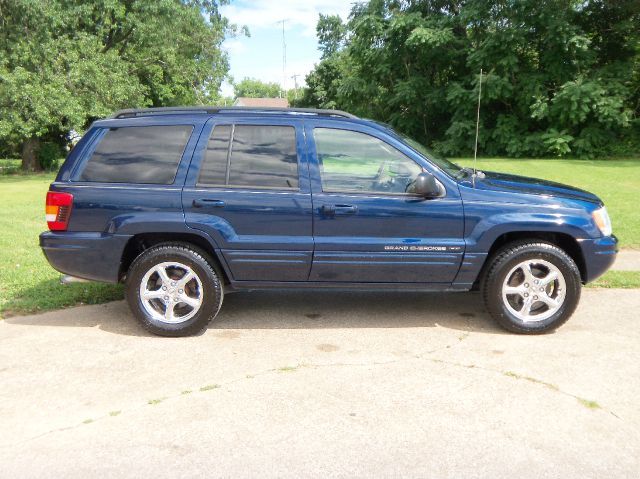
point(274, 73)
point(226, 89)
point(234, 46)
point(267, 13)
point(260, 56)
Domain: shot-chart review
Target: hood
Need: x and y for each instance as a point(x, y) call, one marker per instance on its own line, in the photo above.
point(533, 186)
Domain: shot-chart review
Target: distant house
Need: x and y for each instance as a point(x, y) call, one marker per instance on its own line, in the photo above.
point(262, 102)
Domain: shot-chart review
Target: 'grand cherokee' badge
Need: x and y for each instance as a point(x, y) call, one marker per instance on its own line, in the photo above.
point(414, 248)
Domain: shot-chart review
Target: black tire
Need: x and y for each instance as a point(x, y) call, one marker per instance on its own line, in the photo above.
point(509, 257)
point(207, 275)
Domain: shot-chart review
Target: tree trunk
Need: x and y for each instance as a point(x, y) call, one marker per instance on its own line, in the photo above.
point(30, 155)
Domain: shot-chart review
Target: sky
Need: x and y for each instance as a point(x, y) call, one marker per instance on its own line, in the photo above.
point(260, 55)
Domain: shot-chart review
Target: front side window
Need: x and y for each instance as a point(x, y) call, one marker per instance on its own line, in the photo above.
point(351, 161)
point(138, 154)
point(260, 156)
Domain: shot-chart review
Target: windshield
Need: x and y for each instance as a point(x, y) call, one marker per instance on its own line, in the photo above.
point(444, 164)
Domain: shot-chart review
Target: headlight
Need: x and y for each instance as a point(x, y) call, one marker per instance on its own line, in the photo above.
point(602, 220)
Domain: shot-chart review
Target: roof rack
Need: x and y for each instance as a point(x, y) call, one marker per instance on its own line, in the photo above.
point(208, 110)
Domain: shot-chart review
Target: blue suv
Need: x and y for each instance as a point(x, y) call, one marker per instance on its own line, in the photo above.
point(186, 204)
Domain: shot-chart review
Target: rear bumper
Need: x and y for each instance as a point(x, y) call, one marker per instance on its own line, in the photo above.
point(94, 256)
point(599, 254)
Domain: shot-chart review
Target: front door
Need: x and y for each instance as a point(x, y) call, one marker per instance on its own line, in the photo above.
point(368, 226)
point(248, 188)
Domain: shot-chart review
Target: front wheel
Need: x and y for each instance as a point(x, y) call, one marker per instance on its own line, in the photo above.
point(173, 290)
point(531, 287)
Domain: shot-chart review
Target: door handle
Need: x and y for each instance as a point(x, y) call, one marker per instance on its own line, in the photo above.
point(346, 209)
point(333, 210)
point(208, 203)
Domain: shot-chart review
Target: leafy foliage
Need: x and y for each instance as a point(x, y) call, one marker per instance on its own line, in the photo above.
point(254, 88)
point(331, 32)
point(66, 62)
point(561, 77)
point(49, 154)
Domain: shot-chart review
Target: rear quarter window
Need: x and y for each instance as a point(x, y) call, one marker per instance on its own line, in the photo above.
point(139, 154)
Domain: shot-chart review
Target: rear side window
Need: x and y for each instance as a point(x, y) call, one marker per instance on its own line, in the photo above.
point(258, 156)
point(139, 154)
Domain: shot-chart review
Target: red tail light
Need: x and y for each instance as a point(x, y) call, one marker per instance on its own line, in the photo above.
point(58, 210)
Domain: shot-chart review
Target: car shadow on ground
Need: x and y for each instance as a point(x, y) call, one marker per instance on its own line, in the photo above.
point(301, 310)
point(332, 309)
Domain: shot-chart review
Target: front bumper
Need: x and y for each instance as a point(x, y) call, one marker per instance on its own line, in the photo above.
point(599, 254)
point(94, 256)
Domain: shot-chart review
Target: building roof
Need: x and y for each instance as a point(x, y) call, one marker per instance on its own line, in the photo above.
point(260, 102)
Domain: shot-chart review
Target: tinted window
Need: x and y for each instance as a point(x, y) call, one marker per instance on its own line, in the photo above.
point(260, 156)
point(356, 162)
point(214, 168)
point(140, 154)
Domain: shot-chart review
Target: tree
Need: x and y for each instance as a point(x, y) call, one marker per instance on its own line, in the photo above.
point(331, 34)
point(254, 88)
point(324, 81)
point(64, 63)
point(561, 77)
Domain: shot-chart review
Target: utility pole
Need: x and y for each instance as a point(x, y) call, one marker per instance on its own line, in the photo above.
point(283, 89)
point(295, 85)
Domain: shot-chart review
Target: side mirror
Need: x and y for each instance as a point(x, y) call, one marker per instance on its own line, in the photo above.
point(426, 185)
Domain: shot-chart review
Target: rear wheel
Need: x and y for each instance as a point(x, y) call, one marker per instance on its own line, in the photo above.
point(531, 287)
point(173, 290)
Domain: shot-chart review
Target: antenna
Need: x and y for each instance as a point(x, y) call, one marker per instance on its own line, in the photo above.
point(475, 149)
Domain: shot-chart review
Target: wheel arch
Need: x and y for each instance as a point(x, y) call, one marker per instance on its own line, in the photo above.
point(564, 241)
point(143, 241)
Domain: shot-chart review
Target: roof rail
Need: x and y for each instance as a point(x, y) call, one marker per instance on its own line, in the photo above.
point(208, 110)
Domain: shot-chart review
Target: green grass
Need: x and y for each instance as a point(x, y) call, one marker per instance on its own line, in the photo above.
point(589, 404)
point(10, 166)
point(618, 279)
point(356, 166)
point(511, 374)
point(616, 182)
point(209, 387)
point(27, 283)
point(287, 369)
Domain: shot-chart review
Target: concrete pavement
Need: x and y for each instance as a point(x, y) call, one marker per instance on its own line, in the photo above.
point(627, 260)
point(324, 384)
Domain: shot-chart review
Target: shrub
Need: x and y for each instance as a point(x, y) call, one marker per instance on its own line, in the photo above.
point(48, 155)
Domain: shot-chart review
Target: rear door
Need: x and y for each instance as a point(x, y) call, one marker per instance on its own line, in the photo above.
point(368, 226)
point(248, 188)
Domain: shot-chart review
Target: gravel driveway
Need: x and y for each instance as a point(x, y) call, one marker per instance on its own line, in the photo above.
point(324, 384)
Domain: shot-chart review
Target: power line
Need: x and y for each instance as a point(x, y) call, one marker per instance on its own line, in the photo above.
point(295, 85)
